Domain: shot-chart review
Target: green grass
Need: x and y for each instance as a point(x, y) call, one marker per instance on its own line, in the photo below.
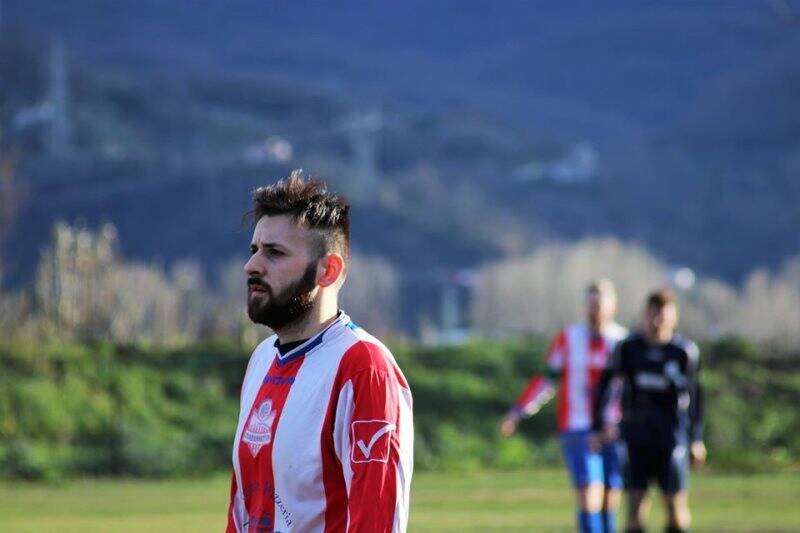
point(484, 501)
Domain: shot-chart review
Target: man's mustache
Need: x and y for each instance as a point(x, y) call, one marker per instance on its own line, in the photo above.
point(253, 282)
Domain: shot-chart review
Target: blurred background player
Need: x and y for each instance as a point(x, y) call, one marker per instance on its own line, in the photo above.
point(575, 361)
point(661, 412)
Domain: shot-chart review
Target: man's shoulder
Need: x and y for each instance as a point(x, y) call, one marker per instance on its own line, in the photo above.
point(570, 334)
point(265, 348)
point(687, 347)
point(573, 329)
point(366, 352)
point(559, 339)
point(260, 359)
point(266, 344)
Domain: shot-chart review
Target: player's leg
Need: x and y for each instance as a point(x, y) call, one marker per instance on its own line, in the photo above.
point(674, 482)
point(638, 509)
point(586, 471)
point(612, 474)
point(678, 517)
point(590, 502)
point(637, 476)
point(611, 499)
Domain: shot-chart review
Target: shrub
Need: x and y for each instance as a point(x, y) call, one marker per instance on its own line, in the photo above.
point(130, 410)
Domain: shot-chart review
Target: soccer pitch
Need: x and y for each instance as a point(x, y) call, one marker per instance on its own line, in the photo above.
point(536, 500)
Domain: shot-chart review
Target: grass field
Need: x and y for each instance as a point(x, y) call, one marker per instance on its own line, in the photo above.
point(486, 501)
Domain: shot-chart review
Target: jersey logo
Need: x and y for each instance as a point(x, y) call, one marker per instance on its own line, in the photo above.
point(259, 429)
point(368, 442)
point(651, 381)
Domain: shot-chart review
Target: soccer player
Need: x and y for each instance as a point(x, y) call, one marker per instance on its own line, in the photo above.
point(325, 434)
point(662, 425)
point(576, 358)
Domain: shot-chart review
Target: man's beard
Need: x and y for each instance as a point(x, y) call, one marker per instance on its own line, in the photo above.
point(293, 304)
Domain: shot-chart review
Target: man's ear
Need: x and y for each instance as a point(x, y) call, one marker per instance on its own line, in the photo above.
point(332, 266)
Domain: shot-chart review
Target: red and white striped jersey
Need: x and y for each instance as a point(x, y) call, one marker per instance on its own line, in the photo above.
point(325, 437)
point(578, 357)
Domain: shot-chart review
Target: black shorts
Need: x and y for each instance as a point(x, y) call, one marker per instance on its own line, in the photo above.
point(668, 466)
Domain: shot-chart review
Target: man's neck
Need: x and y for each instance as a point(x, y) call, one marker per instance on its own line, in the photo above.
point(659, 339)
point(597, 328)
point(318, 319)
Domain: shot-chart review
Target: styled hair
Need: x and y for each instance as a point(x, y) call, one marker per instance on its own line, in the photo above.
point(311, 206)
point(602, 287)
point(661, 298)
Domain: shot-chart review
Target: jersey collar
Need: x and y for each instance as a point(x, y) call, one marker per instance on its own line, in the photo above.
point(340, 323)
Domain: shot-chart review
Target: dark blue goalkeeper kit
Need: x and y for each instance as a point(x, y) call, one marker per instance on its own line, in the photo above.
point(662, 411)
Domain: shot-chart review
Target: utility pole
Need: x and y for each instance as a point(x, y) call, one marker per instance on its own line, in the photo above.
point(59, 131)
point(362, 129)
point(452, 305)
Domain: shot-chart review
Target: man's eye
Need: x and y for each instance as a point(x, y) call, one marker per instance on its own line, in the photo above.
point(276, 253)
point(253, 250)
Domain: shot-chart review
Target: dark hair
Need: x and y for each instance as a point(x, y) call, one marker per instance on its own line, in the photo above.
point(661, 298)
point(310, 205)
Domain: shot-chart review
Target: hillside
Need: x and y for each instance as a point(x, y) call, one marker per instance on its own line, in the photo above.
point(688, 109)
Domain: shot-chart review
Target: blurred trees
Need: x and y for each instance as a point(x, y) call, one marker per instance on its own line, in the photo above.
point(370, 294)
point(544, 291)
point(770, 306)
point(766, 309)
point(84, 291)
point(74, 281)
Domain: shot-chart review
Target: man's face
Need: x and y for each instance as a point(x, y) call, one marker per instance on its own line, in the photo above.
point(660, 322)
point(600, 309)
point(281, 273)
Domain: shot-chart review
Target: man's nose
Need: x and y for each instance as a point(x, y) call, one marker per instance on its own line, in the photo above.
point(253, 266)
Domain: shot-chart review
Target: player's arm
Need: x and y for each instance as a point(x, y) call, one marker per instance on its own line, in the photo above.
point(697, 448)
point(536, 394)
point(603, 395)
point(540, 388)
point(377, 429)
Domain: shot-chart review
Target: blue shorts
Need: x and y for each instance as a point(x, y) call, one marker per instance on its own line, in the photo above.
point(586, 467)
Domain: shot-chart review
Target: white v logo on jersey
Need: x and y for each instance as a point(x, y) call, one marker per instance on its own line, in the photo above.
point(366, 434)
point(366, 449)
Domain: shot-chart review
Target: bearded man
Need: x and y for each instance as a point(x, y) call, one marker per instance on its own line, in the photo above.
point(325, 434)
